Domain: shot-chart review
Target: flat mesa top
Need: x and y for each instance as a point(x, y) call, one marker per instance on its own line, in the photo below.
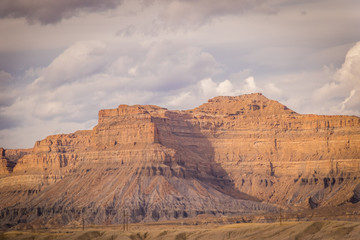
point(254, 104)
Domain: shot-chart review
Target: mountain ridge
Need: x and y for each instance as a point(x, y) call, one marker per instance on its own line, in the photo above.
point(229, 156)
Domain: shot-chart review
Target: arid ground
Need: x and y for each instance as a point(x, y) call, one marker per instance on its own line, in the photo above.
point(177, 231)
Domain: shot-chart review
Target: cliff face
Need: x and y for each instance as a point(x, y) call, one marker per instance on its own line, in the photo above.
point(232, 155)
point(280, 156)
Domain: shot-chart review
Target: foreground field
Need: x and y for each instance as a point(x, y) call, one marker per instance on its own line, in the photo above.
point(287, 230)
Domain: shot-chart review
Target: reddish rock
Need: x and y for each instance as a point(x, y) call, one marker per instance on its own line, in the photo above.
point(223, 157)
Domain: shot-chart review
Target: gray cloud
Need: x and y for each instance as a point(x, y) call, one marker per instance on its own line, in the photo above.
point(79, 60)
point(7, 122)
point(172, 53)
point(87, 77)
point(201, 11)
point(5, 79)
point(127, 31)
point(7, 96)
point(177, 66)
point(49, 11)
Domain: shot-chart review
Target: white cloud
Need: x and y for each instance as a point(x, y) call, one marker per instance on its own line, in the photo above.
point(87, 77)
point(182, 99)
point(208, 87)
point(196, 94)
point(80, 60)
point(272, 91)
point(225, 88)
point(133, 71)
point(250, 85)
point(343, 104)
point(342, 94)
point(87, 74)
point(349, 73)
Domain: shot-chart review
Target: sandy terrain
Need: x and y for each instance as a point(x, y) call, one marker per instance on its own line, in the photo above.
point(287, 230)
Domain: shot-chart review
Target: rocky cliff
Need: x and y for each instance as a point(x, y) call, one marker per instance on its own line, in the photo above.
point(230, 156)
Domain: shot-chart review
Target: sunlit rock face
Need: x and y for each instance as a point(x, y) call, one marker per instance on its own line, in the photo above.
point(230, 156)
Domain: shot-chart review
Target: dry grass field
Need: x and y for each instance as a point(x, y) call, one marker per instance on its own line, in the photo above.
point(177, 231)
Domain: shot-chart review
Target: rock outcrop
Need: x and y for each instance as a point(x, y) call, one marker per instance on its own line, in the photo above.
point(280, 156)
point(230, 156)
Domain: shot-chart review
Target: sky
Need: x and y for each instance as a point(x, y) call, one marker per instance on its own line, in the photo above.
point(63, 61)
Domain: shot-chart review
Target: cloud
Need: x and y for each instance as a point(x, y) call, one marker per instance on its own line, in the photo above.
point(272, 91)
point(176, 54)
point(210, 89)
point(347, 100)
point(176, 67)
point(79, 60)
point(7, 94)
point(323, 91)
point(5, 78)
point(25, 136)
point(327, 91)
point(181, 99)
point(342, 94)
point(225, 88)
point(49, 11)
point(7, 122)
point(187, 12)
point(127, 31)
point(196, 94)
point(250, 85)
point(174, 12)
point(87, 77)
point(349, 73)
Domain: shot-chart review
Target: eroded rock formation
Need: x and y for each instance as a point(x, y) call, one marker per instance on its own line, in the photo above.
point(232, 155)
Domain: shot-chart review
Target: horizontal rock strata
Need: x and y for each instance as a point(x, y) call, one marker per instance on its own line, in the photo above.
point(230, 156)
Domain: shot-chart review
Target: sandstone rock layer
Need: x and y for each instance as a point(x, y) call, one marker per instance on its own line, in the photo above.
point(230, 156)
